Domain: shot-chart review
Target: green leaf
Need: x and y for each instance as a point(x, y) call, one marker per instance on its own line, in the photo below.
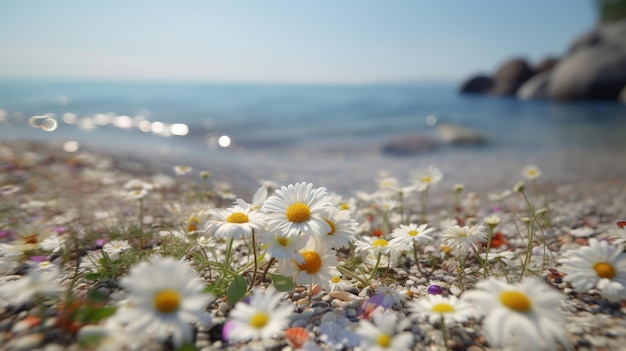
point(236, 290)
point(98, 314)
point(187, 347)
point(96, 296)
point(282, 283)
point(90, 341)
point(93, 276)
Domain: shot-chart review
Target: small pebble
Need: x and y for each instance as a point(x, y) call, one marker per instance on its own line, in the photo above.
point(26, 342)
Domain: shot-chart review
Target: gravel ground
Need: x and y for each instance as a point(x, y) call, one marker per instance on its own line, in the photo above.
point(44, 187)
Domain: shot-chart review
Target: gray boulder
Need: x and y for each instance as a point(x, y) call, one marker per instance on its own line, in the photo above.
point(622, 95)
point(592, 72)
point(477, 85)
point(585, 40)
point(546, 64)
point(460, 135)
point(613, 33)
point(535, 88)
point(510, 76)
point(410, 145)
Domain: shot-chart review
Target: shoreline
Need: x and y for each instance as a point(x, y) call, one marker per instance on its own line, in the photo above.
point(481, 170)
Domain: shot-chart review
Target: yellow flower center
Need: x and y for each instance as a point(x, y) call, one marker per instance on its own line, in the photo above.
point(335, 279)
point(283, 241)
point(312, 262)
point(516, 301)
point(237, 217)
point(604, 270)
point(443, 308)
point(412, 232)
point(344, 206)
point(192, 224)
point(332, 227)
point(426, 179)
point(167, 300)
point(532, 172)
point(383, 340)
point(259, 320)
point(298, 212)
point(379, 243)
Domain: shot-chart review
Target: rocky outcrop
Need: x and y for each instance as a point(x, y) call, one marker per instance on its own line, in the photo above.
point(594, 67)
point(622, 96)
point(535, 88)
point(510, 76)
point(447, 134)
point(478, 84)
point(459, 135)
point(410, 145)
point(594, 72)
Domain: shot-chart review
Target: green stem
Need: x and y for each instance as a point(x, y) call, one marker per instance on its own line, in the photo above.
point(529, 249)
point(256, 268)
point(486, 262)
point(267, 268)
point(424, 202)
point(141, 222)
point(401, 198)
point(374, 269)
point(543, 236)
point(351, 274)
point(417, 263)
point(444, 333)
point(229, 248)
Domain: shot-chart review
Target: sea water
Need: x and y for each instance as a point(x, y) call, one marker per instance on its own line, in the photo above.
point(329, 134)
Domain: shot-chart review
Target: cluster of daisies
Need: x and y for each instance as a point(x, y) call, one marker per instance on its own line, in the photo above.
point(350, 248)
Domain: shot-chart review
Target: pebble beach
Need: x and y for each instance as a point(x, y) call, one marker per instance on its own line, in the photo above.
point(59, 207)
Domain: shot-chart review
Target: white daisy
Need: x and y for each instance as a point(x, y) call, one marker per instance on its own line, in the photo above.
point(410, 235)
point(389, 184)
point(499, 196)
point(296, 209)
point(114, 248)
point(368, 244)
point(377, 250)
point(342, 228)
point(235, 222)
point(434, 307)
point(262, 318)
point(381, 335)
point(92, 261)
point(600, 265)
point(138, 184)
point(37, 283)
point(425, 178)
point(524, 316)
point(391, 297)
point(339, 335)
point(531, 172)
point(165, 298)
point(258, 199)
point(462, 238)
point(54, 242)
point(317, 266)
point(338, 284)
point(136, 194)
point(182, 170)
point(283, 247)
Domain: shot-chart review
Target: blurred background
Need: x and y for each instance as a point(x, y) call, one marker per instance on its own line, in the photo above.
point(323, 91)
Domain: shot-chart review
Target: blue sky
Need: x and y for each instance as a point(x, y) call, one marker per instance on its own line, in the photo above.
point(340, 41)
